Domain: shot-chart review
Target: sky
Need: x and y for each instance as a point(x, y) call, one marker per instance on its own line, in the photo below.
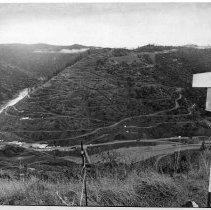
point(106, 25)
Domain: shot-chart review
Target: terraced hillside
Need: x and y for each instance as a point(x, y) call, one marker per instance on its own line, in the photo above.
point(23, 66)
point(105, 97)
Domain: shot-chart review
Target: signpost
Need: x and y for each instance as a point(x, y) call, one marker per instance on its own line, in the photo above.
point(204, 80)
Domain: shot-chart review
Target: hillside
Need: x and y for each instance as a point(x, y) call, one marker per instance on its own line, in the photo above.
point(131, 109)
point(13, 79)
point(110, 97)
point(40, 60)
point(23, 66)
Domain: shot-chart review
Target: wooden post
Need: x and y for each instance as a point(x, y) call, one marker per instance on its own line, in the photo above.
point(209, 191)
point(84, 172)
point(21, 171)
point(82, 154)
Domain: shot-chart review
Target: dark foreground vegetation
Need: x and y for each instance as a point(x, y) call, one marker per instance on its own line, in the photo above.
point(169, 182)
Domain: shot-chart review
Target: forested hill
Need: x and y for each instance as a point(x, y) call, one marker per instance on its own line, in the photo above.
point(177, 68)
point(115, 94)
point(23, 65)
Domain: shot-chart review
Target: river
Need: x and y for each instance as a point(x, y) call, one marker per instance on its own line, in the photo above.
point(22, 94)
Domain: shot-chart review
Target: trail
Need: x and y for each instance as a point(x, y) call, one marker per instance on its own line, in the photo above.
point(67, 116)
point(166, 151)
point(45, 111)
point(103, 130)
point(167, 140)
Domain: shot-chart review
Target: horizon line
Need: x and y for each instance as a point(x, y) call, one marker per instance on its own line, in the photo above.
point(134, 47)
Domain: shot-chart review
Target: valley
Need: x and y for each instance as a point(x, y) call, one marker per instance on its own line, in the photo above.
point(103, 98)
point(21, 67)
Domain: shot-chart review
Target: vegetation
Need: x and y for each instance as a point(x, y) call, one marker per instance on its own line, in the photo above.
point(21, 67)
point(96, 93)
point(119, 99)
point(153, 48)
point(120, 52)
point(131, 185)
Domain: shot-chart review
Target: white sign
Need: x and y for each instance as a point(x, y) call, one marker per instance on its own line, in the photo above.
point(208, 101)
point(202, 80)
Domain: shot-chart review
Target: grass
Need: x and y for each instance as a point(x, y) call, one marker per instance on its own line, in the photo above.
point(111, 186)
point(149, 189)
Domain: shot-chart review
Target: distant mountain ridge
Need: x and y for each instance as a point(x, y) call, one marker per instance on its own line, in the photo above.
point(197, 46)
point(45, 46)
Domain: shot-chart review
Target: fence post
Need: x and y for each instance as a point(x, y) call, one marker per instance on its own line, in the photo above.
point(209, 191)
point(84, 172)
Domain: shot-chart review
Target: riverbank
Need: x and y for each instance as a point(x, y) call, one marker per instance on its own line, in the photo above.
point(22, 94)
